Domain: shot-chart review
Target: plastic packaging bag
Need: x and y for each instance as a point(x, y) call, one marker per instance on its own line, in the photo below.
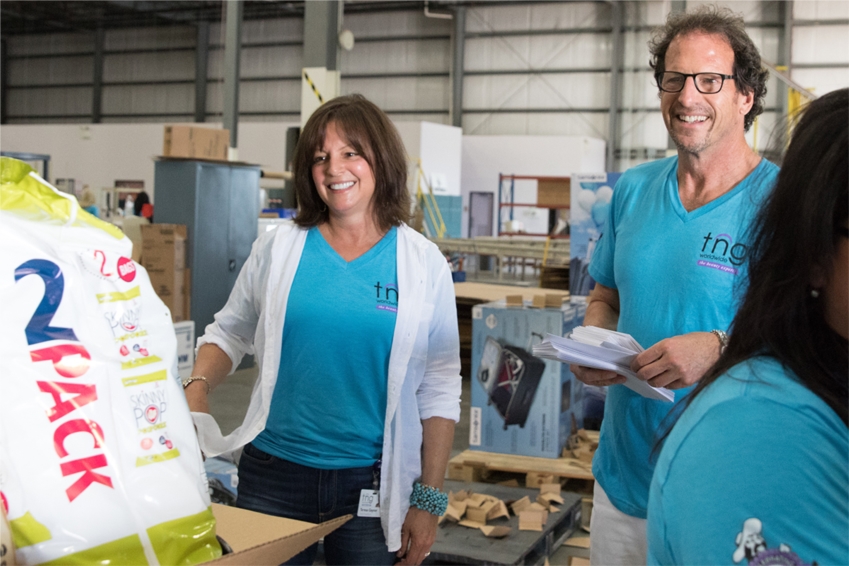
point(99, 462)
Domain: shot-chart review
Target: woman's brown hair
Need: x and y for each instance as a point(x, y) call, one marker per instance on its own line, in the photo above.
point(370, 132)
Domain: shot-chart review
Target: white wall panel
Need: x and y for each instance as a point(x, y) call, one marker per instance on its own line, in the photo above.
point(568, 90)
point(820, 9)
point(821, 81)
point(266, 61)
point(397, 56)
point(270, 96)
point(50, 71)
point(651, 12)
point(395, 24)
point(177, 65)
point(537, 16)
point(639, 90)
point(538, 52)
point(766, 40)
point(821, 44)
point(255, 31)
point(51, 43)
point(49, 101)
point(150, 37)
point(148, 99)
point(523, 123)
point(642, 129)
point(751, 10)
point(414, 93)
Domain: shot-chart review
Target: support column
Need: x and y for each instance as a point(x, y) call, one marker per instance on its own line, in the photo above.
point(616, 58)
point(675, 6)
point(97, 77)
point(458, 68)
point(321, 34)
point(785, 51)
point(4, 81)
point(201, 64)
point(232, 54)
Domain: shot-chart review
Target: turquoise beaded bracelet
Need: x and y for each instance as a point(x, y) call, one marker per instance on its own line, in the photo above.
point(428, 498)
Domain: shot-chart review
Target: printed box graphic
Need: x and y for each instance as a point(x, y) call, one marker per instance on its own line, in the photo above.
point(522, 404)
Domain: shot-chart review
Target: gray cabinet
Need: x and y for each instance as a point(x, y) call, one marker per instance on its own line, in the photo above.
point(219, 204)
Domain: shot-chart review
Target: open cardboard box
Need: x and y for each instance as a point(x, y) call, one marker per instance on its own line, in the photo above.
point(264, 540)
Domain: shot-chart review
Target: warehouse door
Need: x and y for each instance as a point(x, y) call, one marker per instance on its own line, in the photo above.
point(480, 214)
point(480, 222)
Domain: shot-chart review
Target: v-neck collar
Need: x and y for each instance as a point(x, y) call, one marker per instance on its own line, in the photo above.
point(366, 257)
point(678, 206)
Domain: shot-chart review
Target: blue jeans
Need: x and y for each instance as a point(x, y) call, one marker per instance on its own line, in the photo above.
point(273, 486)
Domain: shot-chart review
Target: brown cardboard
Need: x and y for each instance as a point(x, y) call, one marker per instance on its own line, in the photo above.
point(551, 487)
point(536, 479)
point(521, 505)
point(555, 300)
point(553, 192)
point(164, 258)
point(455, 511)
point(514, 300)
point(264, 540)
point(476, 515)
point(532, 520)
point(538, 302)
point(499, 531)
point(510, 483)
point(196, 142)
point(499, 509)
point(461, 495)
point(578, 561)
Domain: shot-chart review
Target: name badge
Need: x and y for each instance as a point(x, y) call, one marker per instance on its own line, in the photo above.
point(369, 503)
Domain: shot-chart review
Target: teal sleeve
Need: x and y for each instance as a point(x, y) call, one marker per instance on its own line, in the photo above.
point(758, 470)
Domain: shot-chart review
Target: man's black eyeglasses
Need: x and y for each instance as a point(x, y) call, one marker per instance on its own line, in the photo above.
point(706, 83)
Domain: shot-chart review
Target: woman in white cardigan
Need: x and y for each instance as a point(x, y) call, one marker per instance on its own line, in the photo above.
point(351, 314)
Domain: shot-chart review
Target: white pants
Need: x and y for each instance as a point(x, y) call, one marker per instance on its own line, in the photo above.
point(616, 539)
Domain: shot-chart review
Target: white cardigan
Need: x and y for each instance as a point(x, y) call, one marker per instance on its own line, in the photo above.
point(424, 364)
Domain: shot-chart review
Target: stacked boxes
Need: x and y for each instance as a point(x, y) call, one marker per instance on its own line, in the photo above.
point(185, 332)
point(522, 404)
point(196, 142)
point(164, 258)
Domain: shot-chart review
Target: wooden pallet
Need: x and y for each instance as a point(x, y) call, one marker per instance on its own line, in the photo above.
point(471, 465)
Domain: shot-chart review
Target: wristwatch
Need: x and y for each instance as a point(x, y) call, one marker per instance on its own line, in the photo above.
point(723, 340)
point(188, 380)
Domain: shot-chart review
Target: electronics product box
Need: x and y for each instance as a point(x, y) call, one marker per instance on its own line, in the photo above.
point(264, 540)
point(522, 404)
point(196, 142)
point(553, 192)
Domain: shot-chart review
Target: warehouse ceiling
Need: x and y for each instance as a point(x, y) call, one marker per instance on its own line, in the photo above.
point(28, 17)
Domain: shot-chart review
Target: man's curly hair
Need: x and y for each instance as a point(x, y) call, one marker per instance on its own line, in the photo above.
point(749, 73)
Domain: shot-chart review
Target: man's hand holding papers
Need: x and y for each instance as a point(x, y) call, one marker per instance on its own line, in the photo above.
point(602, 349)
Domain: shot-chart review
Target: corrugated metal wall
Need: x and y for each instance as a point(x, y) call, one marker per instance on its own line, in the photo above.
point(534, 68)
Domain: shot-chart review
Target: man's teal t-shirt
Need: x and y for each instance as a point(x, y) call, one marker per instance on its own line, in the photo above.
point(676, 272)
point(329, 403)
point(756, 471)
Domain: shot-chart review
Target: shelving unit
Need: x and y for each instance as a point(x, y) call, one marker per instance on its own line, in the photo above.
point(506, 200)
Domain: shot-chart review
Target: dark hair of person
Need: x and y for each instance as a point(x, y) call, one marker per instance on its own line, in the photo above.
point(370, 132)
point(750, 75)
point(141, 199)
point(795, 239)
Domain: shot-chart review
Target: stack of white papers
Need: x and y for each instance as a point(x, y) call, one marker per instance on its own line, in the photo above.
point(598, 348)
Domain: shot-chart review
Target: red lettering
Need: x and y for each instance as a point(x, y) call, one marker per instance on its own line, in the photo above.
point(66, 429)
point(85, 394)
point(86, 466)
point(58, 353)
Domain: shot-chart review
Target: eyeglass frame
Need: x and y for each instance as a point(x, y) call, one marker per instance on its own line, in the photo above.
point(659, 79)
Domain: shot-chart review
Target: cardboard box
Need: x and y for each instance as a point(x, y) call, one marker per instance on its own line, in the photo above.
point(164, 258)
point(553, 192)
point(522, 404)
point(196, 142)
point(185, 331)
point(264, 540)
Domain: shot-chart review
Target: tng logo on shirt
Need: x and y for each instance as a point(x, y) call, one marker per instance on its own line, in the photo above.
point(387, 297)
point(720, 252)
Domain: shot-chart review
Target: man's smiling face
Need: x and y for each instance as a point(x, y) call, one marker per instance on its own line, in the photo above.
point(696, 121)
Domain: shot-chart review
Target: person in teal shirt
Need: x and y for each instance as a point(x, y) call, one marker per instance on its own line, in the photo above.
point(672, 252)
point(756, 469)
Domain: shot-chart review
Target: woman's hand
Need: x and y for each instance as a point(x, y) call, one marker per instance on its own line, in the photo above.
point(418, 534)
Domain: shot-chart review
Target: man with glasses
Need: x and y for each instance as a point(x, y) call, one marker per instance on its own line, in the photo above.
point(672, 254)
